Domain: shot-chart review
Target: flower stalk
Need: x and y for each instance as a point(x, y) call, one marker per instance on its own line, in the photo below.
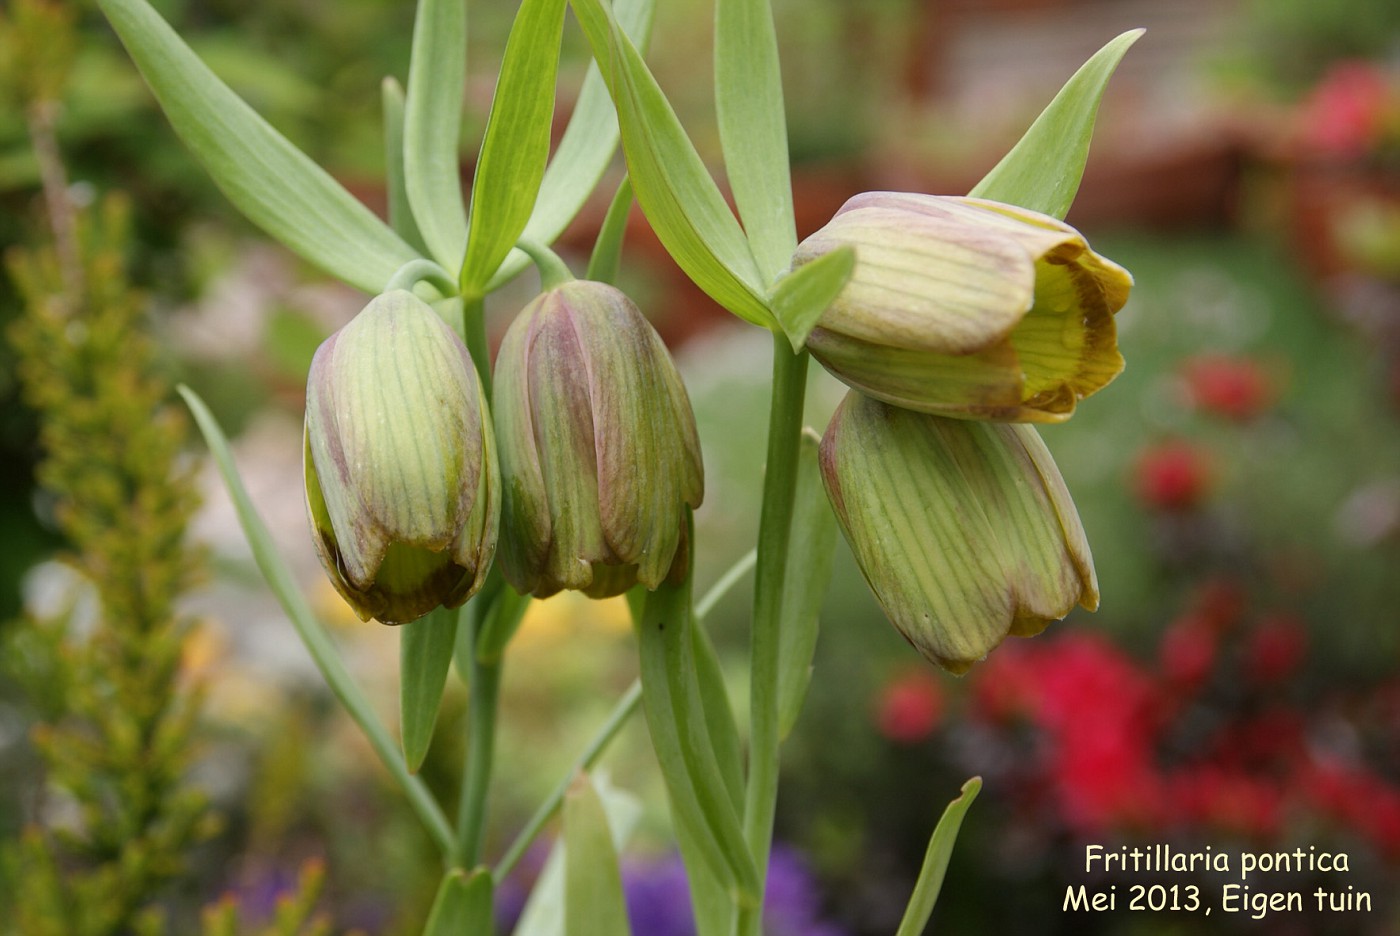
point(775, 527)
point(484, 687)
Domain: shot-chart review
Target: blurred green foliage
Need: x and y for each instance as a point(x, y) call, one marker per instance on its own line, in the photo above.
point(115, 722)
point(1290, 43)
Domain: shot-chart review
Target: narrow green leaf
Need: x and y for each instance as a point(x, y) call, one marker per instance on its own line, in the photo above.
point(800, 298)
point(584, 151)
point(400, 214)
point(606, 258)
point(267, 178)
point(312, 632)
point(593, 901)
point(425, 653)
point(717, 713)
point(437, 75)
point(753, 129)
point(675, 716)
point(515, 149)
point(544, 910)
point(812, 546)
point(1042, 172)
point(674, 188)
point(711, 902)
point(463, 906)
point(940, 849)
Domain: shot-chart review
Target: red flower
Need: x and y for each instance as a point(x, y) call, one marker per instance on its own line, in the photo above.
point(1187, 652)
point(1345, 114)
point(1359, 798)
point(1219, 604)
point(909, 707)
point(1276, 648)
point(1094, 707)
point(1232, 387)
point(1228, 799)
point(1172, 475)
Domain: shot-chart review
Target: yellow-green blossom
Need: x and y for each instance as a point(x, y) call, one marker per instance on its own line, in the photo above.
point(968, 308)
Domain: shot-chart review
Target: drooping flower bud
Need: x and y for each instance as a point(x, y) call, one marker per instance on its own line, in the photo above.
point(402, 484)
point(968, 308)
point(964, 530)
point(599, 455)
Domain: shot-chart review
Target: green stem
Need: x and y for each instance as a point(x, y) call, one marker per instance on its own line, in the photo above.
point(553, 270)
point(774, 530)
point(484, 692)
point(420, 270)
point(474, 329)
point(484, 678)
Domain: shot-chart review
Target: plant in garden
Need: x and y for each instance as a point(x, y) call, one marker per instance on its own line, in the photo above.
point(599, 464)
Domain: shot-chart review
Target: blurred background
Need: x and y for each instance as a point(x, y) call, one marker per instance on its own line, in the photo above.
point(1240, 483)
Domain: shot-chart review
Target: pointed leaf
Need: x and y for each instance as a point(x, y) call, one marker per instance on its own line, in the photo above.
point(672, 185)
point(1042, 171)
point(593, 901)
point(425, 653)
point(267, 178)
point(463, 906)
point(811, 548)
point(544, 910)
point(718, 713)
point(711, 902)
point(698, 793)
point(312, 632)
point(437, 76)
point(940, 850)
point(400, 213)
point(753, 129)
point(800, 298)
point(606, 258)
point(515, 150)
point(584, 151)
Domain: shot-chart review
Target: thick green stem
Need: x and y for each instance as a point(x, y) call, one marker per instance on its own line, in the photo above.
point(484, 693)
point(483, 678)
point(474, 328)
point(775, 525)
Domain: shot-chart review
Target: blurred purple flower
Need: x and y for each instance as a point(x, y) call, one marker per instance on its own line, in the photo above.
point(658, 898)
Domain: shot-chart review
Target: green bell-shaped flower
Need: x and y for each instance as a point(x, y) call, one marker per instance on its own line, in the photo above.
point(967, 308)
point(599, 456)
point(402, 484)
point(964, 530)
